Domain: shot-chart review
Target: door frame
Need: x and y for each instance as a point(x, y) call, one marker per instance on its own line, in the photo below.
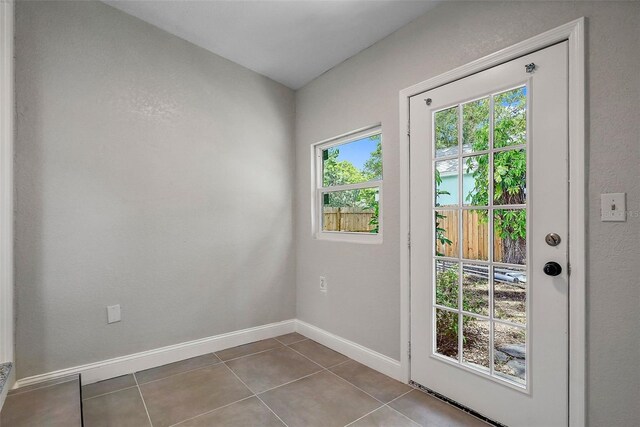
point(573, 32)
point(6, 180)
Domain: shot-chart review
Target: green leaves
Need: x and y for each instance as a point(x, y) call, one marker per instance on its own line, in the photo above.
point(475, 125)
point(342, 172)
point(373, 166)
point(440, 232)
point(510, 177)
point(510, 118)
point(446, 128)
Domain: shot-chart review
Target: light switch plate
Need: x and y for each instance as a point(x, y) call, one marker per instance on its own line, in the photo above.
point(613, 207)
point(113, 313)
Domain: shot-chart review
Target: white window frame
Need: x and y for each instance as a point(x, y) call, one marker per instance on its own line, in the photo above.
point(318, 189)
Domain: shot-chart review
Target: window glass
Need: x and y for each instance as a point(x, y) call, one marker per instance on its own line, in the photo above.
point(353, 162)
point(349, 184)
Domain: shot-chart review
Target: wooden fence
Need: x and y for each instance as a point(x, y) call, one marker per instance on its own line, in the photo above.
point(476, 236)
point(347, 219)
point(476, 231)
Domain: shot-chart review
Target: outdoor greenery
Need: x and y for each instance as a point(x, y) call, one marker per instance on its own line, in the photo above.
point(447, 283)
point(509, 181)
point(509, 168)
point(446, 128)
point(373, 166)
point(341, 172)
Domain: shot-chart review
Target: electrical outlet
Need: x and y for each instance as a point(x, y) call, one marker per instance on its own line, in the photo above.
point(323, 284)
point(113, 313)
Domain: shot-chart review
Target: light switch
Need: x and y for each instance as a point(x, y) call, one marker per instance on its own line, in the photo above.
point(613, 207)
point(113, 313)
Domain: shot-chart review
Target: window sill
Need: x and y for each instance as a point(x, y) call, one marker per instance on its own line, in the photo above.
point(346, 237)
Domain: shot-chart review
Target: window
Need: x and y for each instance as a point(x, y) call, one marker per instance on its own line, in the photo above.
point(348, 187)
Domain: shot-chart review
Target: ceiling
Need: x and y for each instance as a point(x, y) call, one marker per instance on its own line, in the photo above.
point(291, 42)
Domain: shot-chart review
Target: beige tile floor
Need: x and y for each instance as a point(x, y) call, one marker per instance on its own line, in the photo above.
point(51, 404)
point(286, 381)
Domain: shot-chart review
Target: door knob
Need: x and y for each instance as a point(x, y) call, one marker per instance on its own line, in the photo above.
point(552, 268)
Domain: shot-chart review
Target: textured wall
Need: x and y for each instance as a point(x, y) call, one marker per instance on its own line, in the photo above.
point(149, 173)
point(363, 302)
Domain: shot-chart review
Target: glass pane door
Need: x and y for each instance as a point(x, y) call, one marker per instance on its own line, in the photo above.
point(480, 247)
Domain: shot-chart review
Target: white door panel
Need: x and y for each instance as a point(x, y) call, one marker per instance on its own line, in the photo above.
point(489, 180)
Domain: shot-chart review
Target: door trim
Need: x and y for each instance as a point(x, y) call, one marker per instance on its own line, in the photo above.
point(6, 181)
point(573, 32)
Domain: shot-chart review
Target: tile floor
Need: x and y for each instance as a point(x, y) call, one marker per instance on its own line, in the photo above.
point(55, 403)
point(286, 381)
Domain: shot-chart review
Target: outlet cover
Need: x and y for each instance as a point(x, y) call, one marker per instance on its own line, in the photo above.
point(113, 313)
point(323, 284)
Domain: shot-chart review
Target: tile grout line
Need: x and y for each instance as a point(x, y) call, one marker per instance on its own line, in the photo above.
point(110, 392)
point(328, 368)
point(294, 342)
point(258, 397)
point(382, 406)
point(396, 398)
point(348, 382)
point(253, 354)
point(272, 411)
point(292, 381)
point(143, 402)
point(368, 413)
point(173, 375)
point(341, 363)
point(308, 358)
point(395, 410)
point(338, 376)
point(213, 410)
point(401, 414)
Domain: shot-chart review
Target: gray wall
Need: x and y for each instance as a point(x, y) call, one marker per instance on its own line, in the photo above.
point(363, 302)
point(150, 173)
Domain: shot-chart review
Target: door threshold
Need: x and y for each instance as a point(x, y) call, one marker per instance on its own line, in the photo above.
point(454, 403)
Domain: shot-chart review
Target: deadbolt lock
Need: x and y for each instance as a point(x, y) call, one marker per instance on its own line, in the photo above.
point(552, 239)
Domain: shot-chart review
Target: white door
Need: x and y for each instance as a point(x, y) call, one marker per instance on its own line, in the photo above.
point(489, 287)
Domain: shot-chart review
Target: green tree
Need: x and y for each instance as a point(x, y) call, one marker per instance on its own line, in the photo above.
point(446, 128)
point(373, 166)
point(373, 170)
point(336, 172)
point(341, 173)
point(509, 170)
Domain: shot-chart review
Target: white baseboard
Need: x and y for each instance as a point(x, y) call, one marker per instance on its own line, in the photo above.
point(98, 371)
point(357, 352)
